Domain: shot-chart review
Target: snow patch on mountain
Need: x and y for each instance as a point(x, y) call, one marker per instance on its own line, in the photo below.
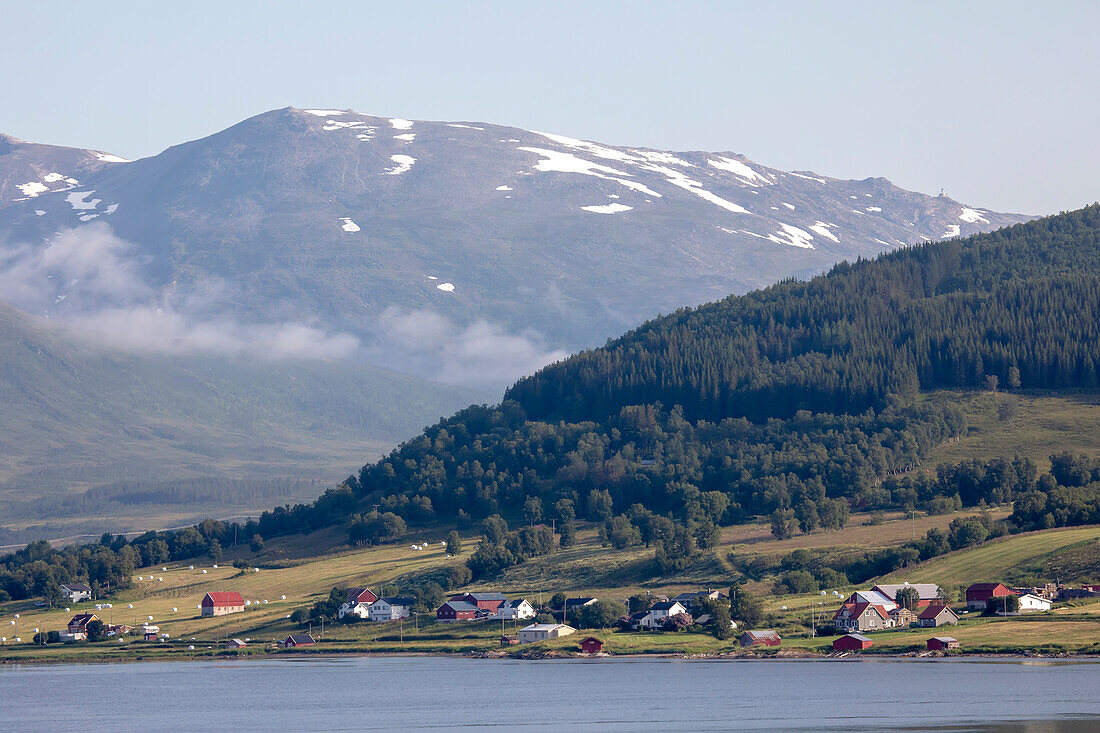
point(53, 177)
point(348, 225)
point(808, 178)
point(32, 188)
point(400, 124)
point(677, 178)
point(76, 200)
point(608, 208)
point(793, 236)
point(504, 188)
point(108, 158)
point(465, 127)
point(874, 209)
point(952, 231)
point(446, 287)
point(325, 112)
point(407, 137)
point(740, 170)
point(655, 156)
point(823, 229)
point(972, 216)
point(404, 164)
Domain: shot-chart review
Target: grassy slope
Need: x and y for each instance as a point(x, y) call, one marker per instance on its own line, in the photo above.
point(72, 416)
point(1044, 424)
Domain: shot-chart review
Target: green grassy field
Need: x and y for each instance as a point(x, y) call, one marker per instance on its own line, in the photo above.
point(1044, 424)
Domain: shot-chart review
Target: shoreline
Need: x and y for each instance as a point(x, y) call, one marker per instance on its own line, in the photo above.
point(551, 655)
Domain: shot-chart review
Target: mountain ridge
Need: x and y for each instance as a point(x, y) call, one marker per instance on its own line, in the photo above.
point(443, 245)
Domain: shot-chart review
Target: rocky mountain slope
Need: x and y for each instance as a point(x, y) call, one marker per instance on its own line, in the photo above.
point(468, 252)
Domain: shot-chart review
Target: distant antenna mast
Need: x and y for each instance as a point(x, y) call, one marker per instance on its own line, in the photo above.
point(941, 192)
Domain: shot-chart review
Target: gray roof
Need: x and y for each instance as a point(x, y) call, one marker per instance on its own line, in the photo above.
point(461, 606)
point(665, 605)
point(488, 596)
point(584, 601)
point(861, 637)
point(77, 586)
point(945, 639)
point(301, 639)
point(400, 600)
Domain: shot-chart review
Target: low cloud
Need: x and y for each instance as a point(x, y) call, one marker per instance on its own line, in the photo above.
point(90, 280)
point(482, 354)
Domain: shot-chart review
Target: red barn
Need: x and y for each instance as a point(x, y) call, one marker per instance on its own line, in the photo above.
point(486, 601)
point(219, 603)
point(852, 643)
point(942, 643)
point(452, 611)
point(760, 637)
point(591, 645)
point(979, 594)
point(299, 640)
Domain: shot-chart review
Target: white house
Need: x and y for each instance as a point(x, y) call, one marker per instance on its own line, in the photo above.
point(653, 618)
point(1030, 603)
point(514, 609)
point(542, 632)
point(358, 603)
point(391, 608)
point(76, 592)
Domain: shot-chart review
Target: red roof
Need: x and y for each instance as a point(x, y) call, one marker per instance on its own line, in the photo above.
point(223, 598)
point(985, 591)
point(933, 611)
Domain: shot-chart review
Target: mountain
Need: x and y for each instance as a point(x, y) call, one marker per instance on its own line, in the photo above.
point(805, 398)
point(77, 417)
point(467, 252)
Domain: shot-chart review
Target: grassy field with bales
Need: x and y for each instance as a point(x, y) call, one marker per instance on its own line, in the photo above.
point(295, 572)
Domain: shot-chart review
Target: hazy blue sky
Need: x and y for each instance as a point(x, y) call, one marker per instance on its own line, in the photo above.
point(996, 102)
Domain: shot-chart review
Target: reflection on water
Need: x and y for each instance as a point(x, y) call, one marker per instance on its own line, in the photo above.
point(352, 693)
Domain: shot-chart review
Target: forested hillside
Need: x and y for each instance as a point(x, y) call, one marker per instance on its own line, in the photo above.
point(789, 398)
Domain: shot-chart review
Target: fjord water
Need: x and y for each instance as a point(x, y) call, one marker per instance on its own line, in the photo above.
point(336, 694)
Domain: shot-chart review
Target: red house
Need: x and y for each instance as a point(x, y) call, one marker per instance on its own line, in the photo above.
point(487, 601)
point(979, 594)
point(299, 640)
point(219, 603)
point(942, 643)
point(452, 611)
point(852, 643)
point(591, 645)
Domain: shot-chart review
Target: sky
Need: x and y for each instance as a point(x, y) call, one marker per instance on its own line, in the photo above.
point(996, 103)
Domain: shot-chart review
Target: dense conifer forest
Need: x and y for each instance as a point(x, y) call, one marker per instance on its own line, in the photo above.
point(803, 401)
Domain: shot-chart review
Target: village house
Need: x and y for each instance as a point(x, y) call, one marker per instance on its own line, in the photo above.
point(979, 594)
point(872, 597)
point(942, 643)
point(928, 592)
point(358, 603)
point(488, 602)
point(591, 645)
point(150, 632)
point(690, 599)
point(220, 603)
point(759, 637)
point(76, 592)
point(655, 616)
point(514, 610)
point(852, 643)
point(1030, 603)
point(235, 644)
point(542, 632)
point(391, 608)
point(296, 640)
point(453, 611)
point(937, 615)
point(903, 617)
point(862, 617)
point(78, 625)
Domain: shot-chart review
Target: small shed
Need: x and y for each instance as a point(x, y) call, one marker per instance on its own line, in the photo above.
point(591, 645)
point(295, 640)
point(852, 643)
point(760, 637)
point(235, 644)
point(942, 643)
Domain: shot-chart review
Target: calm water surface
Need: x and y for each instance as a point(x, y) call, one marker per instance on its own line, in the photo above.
point(344, 694)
